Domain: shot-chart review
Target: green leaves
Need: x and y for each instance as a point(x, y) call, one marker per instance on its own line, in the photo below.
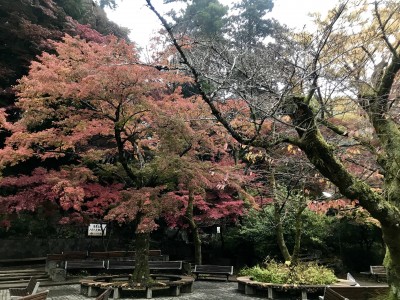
point(302, 273)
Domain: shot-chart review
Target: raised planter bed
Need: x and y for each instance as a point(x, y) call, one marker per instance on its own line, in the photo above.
point(284, 291)
point(171, 285)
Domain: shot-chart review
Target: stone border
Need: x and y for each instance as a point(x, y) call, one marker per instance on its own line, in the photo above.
point(176, 285)
point(250, 287)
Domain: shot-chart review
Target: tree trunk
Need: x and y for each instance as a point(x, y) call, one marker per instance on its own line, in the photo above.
point(141, 274)
point(194, 228)
point(382, 206)
point(391, 236)
point(280, 239)
point(298, 233)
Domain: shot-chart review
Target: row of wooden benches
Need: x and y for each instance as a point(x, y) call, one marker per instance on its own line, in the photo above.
point(129, 265)
point(119, 265)
point(97, 255)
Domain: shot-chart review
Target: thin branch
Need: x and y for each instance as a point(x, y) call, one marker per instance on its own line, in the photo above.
point(236, 135)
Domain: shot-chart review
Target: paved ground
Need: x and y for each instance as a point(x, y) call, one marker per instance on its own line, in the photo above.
point(202, 290)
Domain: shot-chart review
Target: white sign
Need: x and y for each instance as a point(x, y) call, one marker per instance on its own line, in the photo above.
point(97, 229)
point(218, 229)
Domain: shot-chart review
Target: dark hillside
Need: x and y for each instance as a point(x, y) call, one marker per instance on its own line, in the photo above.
point(26, 26)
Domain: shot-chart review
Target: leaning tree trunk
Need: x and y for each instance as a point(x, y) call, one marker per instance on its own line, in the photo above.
point(385, 207)
point(194, 228)
point(391, 236)
point(141, 274)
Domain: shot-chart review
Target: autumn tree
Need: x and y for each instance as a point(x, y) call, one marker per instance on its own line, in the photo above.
point(283, 192)
point(73, 194)
point(96, 102)
point(354, 54)
point(197, 168)
point(26, 26)
point(206, 194)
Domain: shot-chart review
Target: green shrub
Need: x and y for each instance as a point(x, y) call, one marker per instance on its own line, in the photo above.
point(301, 273)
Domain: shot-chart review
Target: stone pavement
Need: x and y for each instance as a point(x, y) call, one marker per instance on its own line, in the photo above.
point(202, 290)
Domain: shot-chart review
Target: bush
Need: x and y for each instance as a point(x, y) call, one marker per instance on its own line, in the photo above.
point(301, 273)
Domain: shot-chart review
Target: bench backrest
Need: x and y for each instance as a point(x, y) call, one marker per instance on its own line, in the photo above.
point(32, 286)
point(360, 292)
point(154, 252)
point(120, 264)
point(165, 265)
point(104, 295)
point(330, 294)
point(214, 269)
point(102, 255)
point(153, 265)
point(85, 264)
point(121, 253)
point(378, 270)
point(75, 254)
point(57, 257)
point(38, 296)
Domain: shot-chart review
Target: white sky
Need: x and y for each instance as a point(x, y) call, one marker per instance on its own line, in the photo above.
point(134, 15)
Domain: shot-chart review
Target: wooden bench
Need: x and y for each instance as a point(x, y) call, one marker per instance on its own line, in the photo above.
point(84, 264)
point(121, 265)
point(57, 257)
point(105, 294)
point(165, 265)
point(38, 296)
point(213, 270)
point(354, 292)
point(120, 254)
point(75, 255)
point(330, 294)
point(22, 261)
point(153, 265)
point(378, 272)
point(30, 289)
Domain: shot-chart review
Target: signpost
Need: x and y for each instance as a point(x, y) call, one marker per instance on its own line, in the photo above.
point(97, 229)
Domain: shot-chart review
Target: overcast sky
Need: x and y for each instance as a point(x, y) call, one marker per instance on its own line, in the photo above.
point(134, 15)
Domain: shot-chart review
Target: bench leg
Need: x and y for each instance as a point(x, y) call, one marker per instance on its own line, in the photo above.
point(271, 293)
point(92, 291)
point(187, 288)
point(249, 290)
point(175, 290)
point(149, 293)
point(116, 294)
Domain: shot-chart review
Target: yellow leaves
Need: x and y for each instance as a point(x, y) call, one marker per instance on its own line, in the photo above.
point(254, 156)
point(291, 149)
point(286, 119)
point(353, 151)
